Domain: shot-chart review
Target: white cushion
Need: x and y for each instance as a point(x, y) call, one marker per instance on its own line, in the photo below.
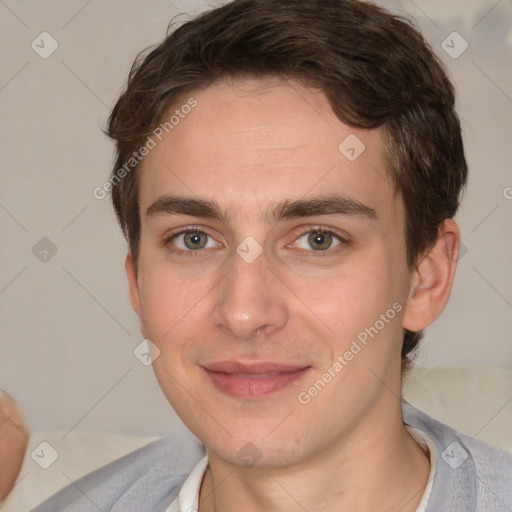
point(78, 454)
point(476, 400)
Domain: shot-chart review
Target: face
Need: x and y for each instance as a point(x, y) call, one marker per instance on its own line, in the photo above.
point(272, 271)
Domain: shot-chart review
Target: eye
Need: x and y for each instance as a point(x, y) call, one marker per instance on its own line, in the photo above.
point(190, 240)
point(320, 240)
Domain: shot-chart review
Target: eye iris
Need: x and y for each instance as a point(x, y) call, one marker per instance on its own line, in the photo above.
point(193, 240)
point(320, 240)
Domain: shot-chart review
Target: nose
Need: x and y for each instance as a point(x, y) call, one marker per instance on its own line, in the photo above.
point(249, 300)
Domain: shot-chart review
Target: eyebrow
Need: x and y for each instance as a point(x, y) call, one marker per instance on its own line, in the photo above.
point(210, 209)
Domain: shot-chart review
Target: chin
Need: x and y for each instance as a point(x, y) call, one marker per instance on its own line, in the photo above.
point(254, 453)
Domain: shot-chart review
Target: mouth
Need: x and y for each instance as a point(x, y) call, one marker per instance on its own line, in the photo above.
point(253, 380)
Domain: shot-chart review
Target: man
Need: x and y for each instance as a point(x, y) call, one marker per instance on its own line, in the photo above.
point(287, 175)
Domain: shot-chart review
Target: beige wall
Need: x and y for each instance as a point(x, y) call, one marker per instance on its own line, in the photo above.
point(68, 331)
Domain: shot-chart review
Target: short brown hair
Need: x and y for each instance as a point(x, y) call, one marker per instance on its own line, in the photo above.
point(375, 69)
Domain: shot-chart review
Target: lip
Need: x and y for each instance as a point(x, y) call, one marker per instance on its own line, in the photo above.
point(253, 380)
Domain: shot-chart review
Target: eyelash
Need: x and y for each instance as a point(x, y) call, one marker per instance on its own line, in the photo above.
point(344, 242)
point(181, 252)
point(308, 229)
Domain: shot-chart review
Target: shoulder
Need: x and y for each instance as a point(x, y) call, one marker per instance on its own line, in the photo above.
point(493, 473)
point(470, 475)
point(146, 479)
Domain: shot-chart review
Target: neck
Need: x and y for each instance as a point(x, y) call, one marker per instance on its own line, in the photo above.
point(379, 466)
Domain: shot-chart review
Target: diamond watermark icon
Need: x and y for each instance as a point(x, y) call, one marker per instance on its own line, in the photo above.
point(44, 455)
point(146, 352)
point(44, 45)
point(44, 250)
point(351, 147)
point(249, 454)
point(249, 250)
point(454, 45)
point(454, 455)
point(463, 250)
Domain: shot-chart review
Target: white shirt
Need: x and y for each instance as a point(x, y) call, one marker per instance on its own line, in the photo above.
point(422, 439)
point(188, 498)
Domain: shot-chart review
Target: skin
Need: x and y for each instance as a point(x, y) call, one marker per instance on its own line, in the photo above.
point(247, 145)
point(13, 443)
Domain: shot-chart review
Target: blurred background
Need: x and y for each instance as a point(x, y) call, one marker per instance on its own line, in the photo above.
point(68, 333)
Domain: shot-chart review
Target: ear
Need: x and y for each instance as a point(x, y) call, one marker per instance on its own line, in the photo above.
point(133, 283)
point(432, 280)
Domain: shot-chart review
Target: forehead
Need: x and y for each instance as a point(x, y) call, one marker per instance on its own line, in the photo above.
point(249, 143)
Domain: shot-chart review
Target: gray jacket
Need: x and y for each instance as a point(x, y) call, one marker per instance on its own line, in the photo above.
point(471, 476)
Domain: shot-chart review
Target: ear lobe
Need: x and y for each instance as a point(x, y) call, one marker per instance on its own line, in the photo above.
point(432, 280)
point(133, 283)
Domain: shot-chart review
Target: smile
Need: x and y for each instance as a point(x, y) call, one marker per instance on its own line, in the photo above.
point(253, 380)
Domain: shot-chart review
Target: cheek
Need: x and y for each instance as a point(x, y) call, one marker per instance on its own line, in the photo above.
point(167, 298)
point(361, 305)
point(351, 297)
